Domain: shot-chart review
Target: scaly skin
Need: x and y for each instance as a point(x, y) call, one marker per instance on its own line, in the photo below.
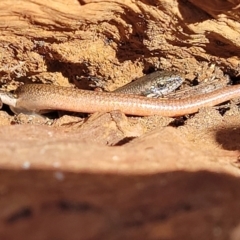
point(39, 97)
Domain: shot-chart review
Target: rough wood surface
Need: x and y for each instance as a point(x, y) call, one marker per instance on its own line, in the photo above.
point(115, 41)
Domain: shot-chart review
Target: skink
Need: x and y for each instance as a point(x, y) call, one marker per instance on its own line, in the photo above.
point(156, 84)
point(39, 97)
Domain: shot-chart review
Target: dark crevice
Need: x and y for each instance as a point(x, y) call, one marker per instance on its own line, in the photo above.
point(75, 206)
point(23, 213)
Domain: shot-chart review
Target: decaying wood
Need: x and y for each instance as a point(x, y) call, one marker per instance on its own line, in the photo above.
point(115, 41)
point(172, 183)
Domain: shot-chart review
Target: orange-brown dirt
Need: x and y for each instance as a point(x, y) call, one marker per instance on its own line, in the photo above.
point(105, 175)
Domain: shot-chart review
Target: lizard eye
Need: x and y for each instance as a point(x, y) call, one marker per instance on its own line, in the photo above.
point(161, 85)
